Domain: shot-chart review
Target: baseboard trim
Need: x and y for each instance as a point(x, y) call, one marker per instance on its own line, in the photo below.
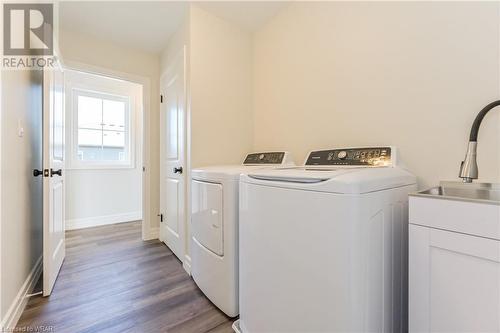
point(102, 220)
point(154, 233)
point(187, 264)
point(17, 307)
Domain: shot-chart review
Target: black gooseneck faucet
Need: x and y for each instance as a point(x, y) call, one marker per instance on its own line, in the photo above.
point(468, 168)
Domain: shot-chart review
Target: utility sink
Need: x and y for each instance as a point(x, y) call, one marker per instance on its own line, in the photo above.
point(454, 258)
point(473, 192)
point(468, 208)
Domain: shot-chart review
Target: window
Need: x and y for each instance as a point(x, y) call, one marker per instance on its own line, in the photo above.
point(101, 135)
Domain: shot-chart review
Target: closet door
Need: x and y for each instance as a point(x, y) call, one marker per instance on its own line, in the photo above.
point(173, 122)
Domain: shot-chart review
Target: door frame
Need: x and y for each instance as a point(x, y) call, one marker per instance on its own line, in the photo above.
point(1, 222)
point(144, 159)
point(186, 262)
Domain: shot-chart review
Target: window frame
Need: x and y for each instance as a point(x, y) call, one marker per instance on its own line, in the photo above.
point(74, 161)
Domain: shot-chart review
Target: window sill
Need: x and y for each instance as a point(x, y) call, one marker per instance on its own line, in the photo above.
point(101, 167)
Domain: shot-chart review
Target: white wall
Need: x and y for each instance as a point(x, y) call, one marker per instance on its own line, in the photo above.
point(177, 41)
point(220, 90)
point(78, 48)
point(410, 74)
point(103, 195)
point(21, 214)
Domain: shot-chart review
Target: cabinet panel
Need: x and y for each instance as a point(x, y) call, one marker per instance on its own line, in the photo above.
point(454, 282)
point(477, 219)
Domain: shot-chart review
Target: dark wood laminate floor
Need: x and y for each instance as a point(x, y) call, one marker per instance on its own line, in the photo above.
point(112, 281)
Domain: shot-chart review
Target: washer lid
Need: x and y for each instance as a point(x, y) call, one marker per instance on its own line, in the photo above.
point(353, 180)
point(225, 172)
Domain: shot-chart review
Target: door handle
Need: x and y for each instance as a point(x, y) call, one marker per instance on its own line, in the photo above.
point(178, 170)
point(37, 172)
point(55, 172)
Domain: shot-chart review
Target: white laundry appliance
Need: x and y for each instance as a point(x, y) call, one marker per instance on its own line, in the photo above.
point(323, 247)
point(214, 223)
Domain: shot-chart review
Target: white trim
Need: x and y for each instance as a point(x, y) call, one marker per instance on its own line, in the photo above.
point(143, 121)
point(236, 326)
point(102, 167)
point(187, 264)
point(1, 116)
point(188, 138)
point(154, 233)
point(96, 221)
point(21, 300)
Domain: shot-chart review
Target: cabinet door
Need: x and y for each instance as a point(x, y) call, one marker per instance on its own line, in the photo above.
point(454, 282)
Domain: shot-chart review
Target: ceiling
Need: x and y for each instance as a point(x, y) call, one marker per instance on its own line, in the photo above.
point(249, 15)
point(147, 26)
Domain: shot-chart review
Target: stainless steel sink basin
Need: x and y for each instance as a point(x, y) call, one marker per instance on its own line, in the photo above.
point(475, 192)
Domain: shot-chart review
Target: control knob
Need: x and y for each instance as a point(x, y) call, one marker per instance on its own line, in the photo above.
point(342, 155)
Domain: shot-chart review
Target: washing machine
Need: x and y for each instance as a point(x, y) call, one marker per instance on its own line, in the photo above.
point(214, 226)
point(323, 247)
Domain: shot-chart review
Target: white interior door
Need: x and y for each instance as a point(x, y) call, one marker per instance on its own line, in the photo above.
point(172, 146)
point(53, 184)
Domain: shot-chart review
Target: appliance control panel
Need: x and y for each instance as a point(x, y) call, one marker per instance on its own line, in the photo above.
point(373, 156)
point(265, 158)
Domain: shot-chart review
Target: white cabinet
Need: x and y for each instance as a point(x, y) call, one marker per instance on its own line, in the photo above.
point(454, 281)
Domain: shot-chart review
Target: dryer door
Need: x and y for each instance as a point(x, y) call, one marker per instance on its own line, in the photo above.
point(206, 216)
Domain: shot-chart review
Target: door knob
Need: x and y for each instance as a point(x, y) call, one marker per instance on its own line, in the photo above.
point(178, 170)
point(37, 172)
point(55, 172)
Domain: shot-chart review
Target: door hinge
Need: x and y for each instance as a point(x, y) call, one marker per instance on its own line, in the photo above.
point(161, 98)
point(161, 217)
point(143, 169)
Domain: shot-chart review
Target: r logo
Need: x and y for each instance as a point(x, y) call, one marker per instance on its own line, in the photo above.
point(28, 29)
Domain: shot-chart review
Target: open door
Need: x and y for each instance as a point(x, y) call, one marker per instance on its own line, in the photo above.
point(172, 155)
point(53, 183)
